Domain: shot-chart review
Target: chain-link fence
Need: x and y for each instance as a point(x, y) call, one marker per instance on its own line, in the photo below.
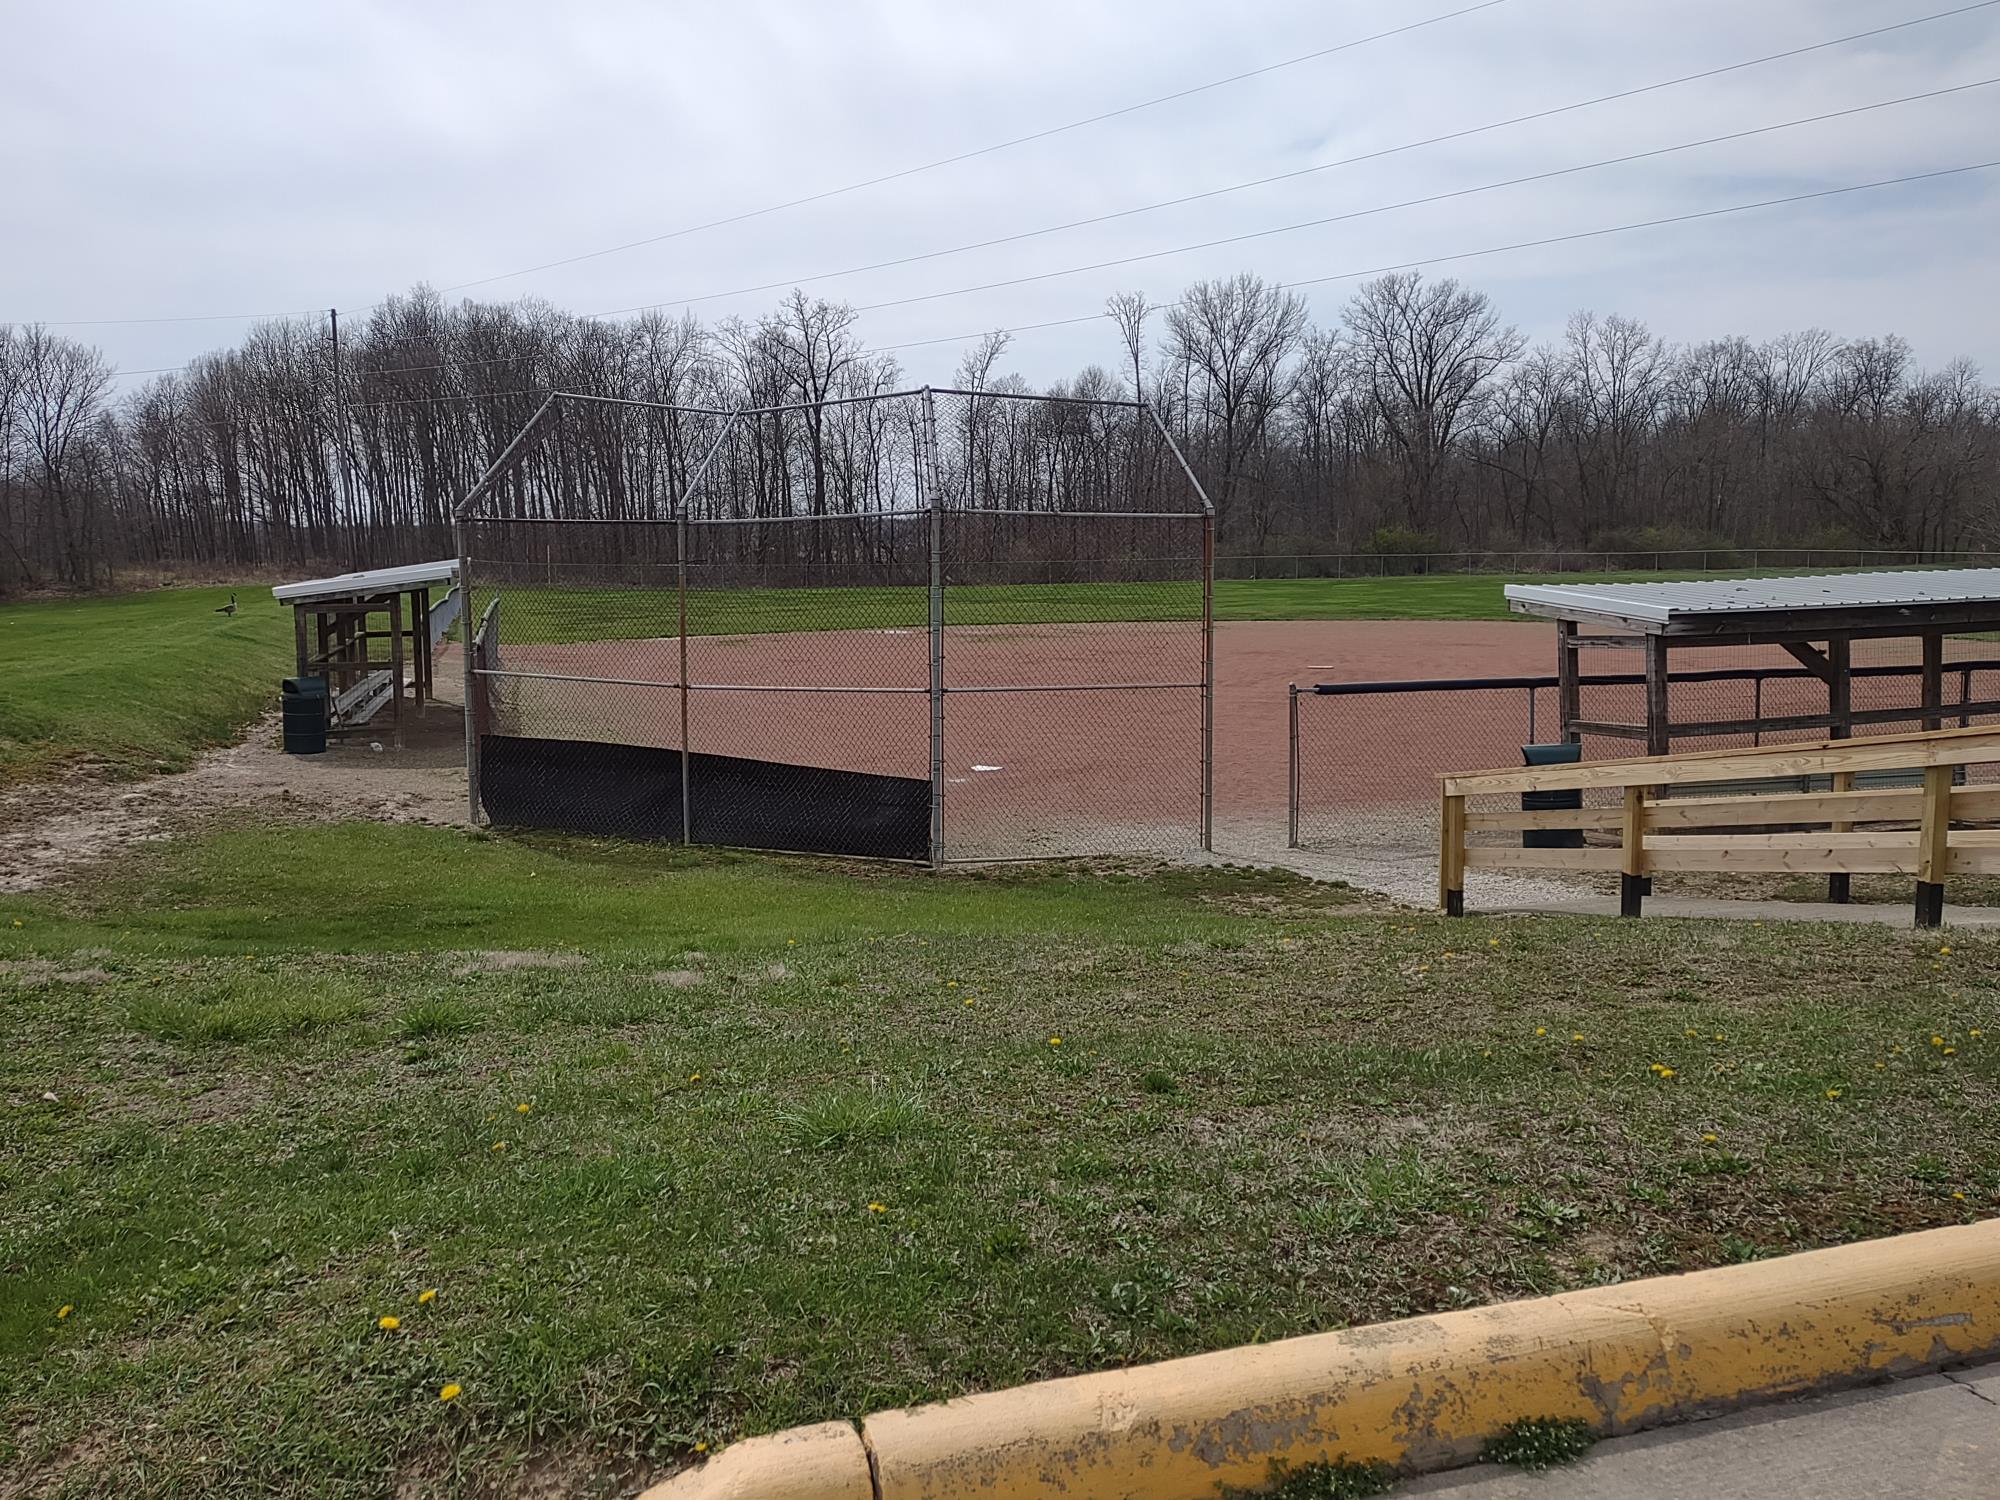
point(1365, 757)
point(924, 625)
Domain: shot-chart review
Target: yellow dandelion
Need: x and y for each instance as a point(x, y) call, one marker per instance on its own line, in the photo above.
point(1718, 1036)
point(701, 1447)
point(17, 921)
point(968, 1000)
point(1493, 942)
point(449, 1392)
point(1709, 1139)
point(388, 1324)
point(67, 1308)
point(1960, 1197)
point(1666, 1072)
point(1488, 1052)
point(1541, 1031)
point(791, 942)
point(878, 1208)
point(1949, 1052)
point(1937, 1041)
point(1690, 1032)
point(1880, 1066)
point(694, 1078)
point(428, 1295)
point(1576, 1036)
point(523, 1107)
point(1975, 1033)
point(1946, 950)
point(1833, 1093)
point(499, 1145)
point(1055, 1041)
point(951, 984)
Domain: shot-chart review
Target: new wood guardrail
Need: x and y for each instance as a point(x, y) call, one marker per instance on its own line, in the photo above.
point(1675, 815)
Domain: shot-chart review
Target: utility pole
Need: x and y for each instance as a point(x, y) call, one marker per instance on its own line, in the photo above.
point(340, 445)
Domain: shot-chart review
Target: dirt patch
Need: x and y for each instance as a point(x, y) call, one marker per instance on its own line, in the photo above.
point(32, 973)
point(50, 828)
point(510, 960)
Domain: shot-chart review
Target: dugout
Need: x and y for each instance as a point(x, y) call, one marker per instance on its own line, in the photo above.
point(372, 638)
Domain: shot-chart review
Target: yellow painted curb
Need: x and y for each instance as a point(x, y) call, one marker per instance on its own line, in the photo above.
point(1420, 1394)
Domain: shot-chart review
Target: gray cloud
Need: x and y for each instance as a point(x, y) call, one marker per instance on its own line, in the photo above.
point(226, 157)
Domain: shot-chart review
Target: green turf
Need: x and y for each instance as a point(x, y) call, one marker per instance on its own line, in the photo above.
point(136, 683)
point(802, 1140)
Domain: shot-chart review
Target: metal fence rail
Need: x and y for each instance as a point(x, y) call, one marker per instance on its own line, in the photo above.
point(1531, 560)
point(1364, 758)
point(979, 625)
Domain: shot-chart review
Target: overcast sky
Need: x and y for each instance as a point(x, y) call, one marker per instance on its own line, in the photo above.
point(207, 157)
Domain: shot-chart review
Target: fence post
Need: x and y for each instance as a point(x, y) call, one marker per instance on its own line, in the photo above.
point(936, 630)
point(1451, 856)
point(1632, 851)
point(1208, 681)
point(681, 595)
point(468, 626)
point(1292, 767)
point(1933, 846)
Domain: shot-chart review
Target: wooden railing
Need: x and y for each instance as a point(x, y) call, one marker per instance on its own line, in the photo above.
point(1668, 819)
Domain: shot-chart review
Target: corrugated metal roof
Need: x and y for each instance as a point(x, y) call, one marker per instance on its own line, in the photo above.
point(369, 581)
point(1662, 603)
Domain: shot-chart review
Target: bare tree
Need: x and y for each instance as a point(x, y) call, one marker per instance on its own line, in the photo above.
point(1427, 354)
point(1129, 311)
point(1235, 336)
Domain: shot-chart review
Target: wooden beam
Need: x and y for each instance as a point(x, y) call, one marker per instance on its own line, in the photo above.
point(1609, 729)
point(1658, 730)
point(1801, 860)
point(1588, 819)
point(1933, 680)
point(1951, 747)
point(1810, 657)
point(1569, 691)
point(1933, 846)
point(1452, 857)
point(1840, 710)
point(1608, 642)
point(1632, 846)
point(396, 666)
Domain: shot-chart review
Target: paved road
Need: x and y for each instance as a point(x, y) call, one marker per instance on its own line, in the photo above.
point(1932, 1438)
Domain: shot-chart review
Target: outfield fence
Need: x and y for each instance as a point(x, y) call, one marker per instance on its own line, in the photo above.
point(1531, 560)
point(848, 627)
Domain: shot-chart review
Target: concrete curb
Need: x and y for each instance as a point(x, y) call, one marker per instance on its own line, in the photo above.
point(1421, 1394)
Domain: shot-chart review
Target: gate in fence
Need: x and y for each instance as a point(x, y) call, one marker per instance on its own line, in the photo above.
point(930, 625)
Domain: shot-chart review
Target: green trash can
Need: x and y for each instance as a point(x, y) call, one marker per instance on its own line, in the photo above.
point(1567, 800)
point(304, 703)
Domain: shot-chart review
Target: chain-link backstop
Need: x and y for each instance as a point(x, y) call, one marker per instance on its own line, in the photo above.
point(924, 625)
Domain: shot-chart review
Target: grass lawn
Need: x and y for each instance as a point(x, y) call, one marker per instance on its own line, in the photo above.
point(749, 1142)
point(134, 683)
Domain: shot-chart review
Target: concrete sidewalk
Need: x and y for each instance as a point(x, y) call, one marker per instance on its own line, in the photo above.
point(1936, 1437)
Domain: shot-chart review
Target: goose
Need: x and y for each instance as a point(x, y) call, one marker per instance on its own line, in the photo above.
point(227, 609)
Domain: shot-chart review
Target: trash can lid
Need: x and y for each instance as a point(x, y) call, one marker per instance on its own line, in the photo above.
point(305, 687)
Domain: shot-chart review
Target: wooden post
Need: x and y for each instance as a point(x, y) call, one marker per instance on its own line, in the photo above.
point(1933, 679)
point(299, 636)
point(1659, 739)
point(1569, 692)
point(1451, 856)
point(1933, 846)
point(396, 664)
point(1632, 889)
point(1840, 726)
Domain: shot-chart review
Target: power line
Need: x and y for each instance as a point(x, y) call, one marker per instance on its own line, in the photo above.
point(1573, 237)
point(1537, 244)
point(1362, 213)
point(1257, 182)
point(964, 156)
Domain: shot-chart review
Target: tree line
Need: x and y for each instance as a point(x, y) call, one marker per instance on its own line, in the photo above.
point(1416, 421)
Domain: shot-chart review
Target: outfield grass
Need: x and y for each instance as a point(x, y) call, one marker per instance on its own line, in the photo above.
point(800, 1140)
point(133, 684)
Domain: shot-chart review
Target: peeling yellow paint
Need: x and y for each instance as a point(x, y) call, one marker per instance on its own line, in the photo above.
point(1421, 1394)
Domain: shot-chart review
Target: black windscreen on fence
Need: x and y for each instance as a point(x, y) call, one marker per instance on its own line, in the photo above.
point(634, 792)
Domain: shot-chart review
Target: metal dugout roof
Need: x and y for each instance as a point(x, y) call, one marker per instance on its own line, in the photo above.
point(1861, 603)
point(369, 582)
